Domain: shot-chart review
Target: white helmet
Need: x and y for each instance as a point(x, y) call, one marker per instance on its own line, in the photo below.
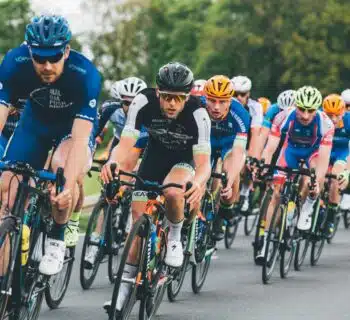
point(286, 99)
point(346, 96)
point(114, 93)
point(241, 84)
point(198, 87)
point(130, 87)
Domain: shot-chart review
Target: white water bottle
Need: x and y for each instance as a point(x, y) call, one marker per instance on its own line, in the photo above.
point(290, 213)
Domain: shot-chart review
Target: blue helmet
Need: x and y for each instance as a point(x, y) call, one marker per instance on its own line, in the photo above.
point(48, 31)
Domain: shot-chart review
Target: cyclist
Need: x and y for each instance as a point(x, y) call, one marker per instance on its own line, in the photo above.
point(229, 135)
point(265, 103)
point(346, 97)
point(242, 86)
point(61, 87)
point(198, 88)
point(285, 100)
point(334, 107)
point(179, 133)
point(309, 134)
point(116, 112)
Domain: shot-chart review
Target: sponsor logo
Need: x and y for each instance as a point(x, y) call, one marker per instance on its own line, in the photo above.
point(76, 68)
point(1, 85)
point(21, 59)
point(92, 103)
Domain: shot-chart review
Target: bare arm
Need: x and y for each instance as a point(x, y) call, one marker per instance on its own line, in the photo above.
point(254, 148)
point(4, 112)
point(264, 134)
point(270, 148)
point(203, 168)
point(322, 165)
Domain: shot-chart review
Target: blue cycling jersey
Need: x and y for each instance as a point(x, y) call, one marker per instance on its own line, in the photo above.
point(270, 115)
point(229, 131)
point(340, 149)
point(50, 109)
point(73, 95)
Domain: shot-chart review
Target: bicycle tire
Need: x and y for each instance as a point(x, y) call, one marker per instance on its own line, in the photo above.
point(254, 200)
point(346, 218)
point(86, 282)
point(231, 231)
point(336, 225)
point(53, 301)
point(139, 227)
point(114, 241)
point(287, 249)
point(173, 291)
point(6, 232)
point(258, 239)
point(316, 250)
point(272, 239)
point(301, 251)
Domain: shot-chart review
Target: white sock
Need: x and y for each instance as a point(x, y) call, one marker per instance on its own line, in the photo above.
point(245, 191)
point(124, 290)
point(309, 203)
point(175, 231)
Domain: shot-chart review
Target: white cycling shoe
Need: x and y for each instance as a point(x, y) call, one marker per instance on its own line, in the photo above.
point(174, 254)
point(52, 261)
point(305, 219)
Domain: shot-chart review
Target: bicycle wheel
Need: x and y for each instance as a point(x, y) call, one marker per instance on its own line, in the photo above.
point(259, 236)
point(251, 219)
point(346, 217)
point(7, 245)
point(301, 250)
point(138, 233)
point(287, 248)
point(114, 238)
point(58, 283)
point(318, 239)
point(231, 231)
point(88, 272)
point(316, 250)
point(336, 225)
point(272, 245)
point(178, 276)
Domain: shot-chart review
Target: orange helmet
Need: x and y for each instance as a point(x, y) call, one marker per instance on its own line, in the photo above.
point(219, 87)
point(265, 103)
point(333, 104)
point(198, 88)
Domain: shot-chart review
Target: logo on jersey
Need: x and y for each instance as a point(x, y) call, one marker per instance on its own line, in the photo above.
point(22, 59)
point(1, 85)
point(92, 103)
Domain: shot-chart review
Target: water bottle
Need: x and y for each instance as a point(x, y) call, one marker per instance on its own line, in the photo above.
point(25, 244)
point(262, 228)
point(290, 213)
point(153, 239)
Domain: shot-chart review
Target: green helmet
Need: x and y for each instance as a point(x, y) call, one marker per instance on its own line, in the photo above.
point(308, 97)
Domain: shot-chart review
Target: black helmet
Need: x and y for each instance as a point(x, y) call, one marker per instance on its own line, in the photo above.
point(175, 76)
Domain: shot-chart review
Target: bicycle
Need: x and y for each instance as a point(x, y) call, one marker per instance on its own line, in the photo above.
point(282, 234)
point(193, 235)
point(152, 275)
point(22, 286)
point(110, 216)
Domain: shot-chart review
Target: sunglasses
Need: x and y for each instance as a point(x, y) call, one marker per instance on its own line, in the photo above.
point(178, 97)
point(50, 59)
point(126, 102)
point(307, 110)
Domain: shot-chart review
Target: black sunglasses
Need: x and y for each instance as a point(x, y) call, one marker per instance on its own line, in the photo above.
point(307, 110)
point(50, 59)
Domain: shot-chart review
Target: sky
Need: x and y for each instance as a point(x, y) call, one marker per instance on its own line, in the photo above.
point(71, 9)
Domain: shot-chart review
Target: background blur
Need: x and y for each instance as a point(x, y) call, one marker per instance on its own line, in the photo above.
point(279, 44)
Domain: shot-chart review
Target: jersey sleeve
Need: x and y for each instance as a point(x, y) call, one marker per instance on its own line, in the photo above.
point(279, 123)
point(241, 124)
point(269, 116)
point(134, 120)
point(256, 112)
point(107, 109)
point(92, 88)
point(7, 69)
point(203, 122)
point(327, 130)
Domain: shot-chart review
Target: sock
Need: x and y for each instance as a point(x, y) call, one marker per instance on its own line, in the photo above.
point(175, 231)
point(332, 210)
point(245, 191)
point(124, 290)
point(57, 231)
point(226, 210)
point(309, 203)
point(75, 216)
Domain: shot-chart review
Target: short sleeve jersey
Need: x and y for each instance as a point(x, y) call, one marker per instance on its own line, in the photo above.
point(182, 137)
point(73, 95)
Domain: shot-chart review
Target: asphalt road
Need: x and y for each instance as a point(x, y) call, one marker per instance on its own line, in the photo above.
point(234, 289)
